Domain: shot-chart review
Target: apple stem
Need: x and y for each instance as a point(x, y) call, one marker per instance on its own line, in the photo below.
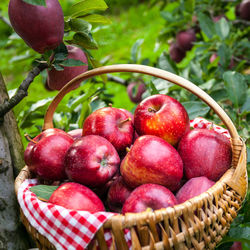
point(127, 149)
point(29, 139)
point(152, 110)
point(212, 126)
point(122, 122)
point(110, 105)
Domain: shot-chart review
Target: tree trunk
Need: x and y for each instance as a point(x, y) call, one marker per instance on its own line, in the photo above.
point(12, 233)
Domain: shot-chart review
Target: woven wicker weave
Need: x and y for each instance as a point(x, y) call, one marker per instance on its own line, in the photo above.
point(199, 223)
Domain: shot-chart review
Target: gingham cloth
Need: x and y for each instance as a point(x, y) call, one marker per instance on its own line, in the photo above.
point(70, 229)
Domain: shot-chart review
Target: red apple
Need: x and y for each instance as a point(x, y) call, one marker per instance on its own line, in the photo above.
point(244, 10)
point(236, 246)
point(205, 153)
point(152, 160)
point(176, 53)
point(44, 155)
point(135, 91)
point(148, 196)
point(113, 124)
point(163, 116)
point(193, 187)
point(76, 133)
point(75, 196)
point(185, 39)
point(57, 79)
point(92, 161)
point(118, 194)
point(41, 27)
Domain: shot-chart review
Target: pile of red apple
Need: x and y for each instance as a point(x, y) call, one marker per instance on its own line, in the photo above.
point(130, 163)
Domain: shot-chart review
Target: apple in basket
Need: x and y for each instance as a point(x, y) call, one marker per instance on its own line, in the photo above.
point(92, 161)
point(149, 195)
point(193, 187)
point(75, 196)
point(205, 153)
point(118, 194)
point(162, 116)
point(44, 155)
point(113, 124)
point(152, 160)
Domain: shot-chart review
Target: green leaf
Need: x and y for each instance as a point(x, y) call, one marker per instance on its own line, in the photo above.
point(135, 50)
point(236, 87)
point(79, 25)
point(85, 40)
point(222, 28)
point(189, 5)
point(196, 109)
point(206, 24)
point(86, 6)
point(43, 191)
point(60, 57)
point(95, 18)
point(167, 64)
point(70, 62)
point(36, 2)
point(246, 106)
point(61, 49)
point(225, 56)
point(58, 67)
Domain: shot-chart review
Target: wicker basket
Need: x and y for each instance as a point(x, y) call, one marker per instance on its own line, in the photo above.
point(199, 223)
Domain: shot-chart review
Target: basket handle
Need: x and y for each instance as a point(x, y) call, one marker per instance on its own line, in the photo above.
point(165, 75)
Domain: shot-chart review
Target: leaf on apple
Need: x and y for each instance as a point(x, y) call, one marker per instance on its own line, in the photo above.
point(43, 192)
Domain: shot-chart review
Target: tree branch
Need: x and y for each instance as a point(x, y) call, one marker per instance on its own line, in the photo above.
point(118, 80)
point(5, 20)
point(22, 90)
point(241, 21)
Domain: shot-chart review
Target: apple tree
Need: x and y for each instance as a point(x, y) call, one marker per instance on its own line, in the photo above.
point(53, 32)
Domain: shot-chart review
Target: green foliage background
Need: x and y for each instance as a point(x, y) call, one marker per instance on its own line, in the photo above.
point(141, 32)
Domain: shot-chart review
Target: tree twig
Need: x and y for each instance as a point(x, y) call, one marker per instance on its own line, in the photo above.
point(241, 21)
point(22, 90)
point(5, 20)
point(118, 80)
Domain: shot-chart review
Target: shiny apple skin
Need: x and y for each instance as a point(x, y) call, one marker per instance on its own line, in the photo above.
point(170, 121)
point(205, 153)
point(92, 161)
point(76, 133)
point(152, 160)
point(152, 196)
point(105, 122)
point(193, 187)
point(118, 194)
point(75, 196)
point(45, 157)
point(42, 28)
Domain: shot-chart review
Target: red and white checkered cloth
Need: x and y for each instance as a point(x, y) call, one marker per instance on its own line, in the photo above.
point(70, 229)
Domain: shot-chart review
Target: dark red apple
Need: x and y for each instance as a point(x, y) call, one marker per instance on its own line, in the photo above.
point(42, 28)
point(185, 39)
point(75, 196)
point(76, 133)
point(91, 160)
point(163, 116)
point(205, 153)
point(149, 196)
point(176, 53)
point(118, 194)
point(193, 187)
point(244, 10)
point(236, 246)
point(152, 160)
point(135, 91)
point(113, 124)
point(44, 155)
point(57, 79)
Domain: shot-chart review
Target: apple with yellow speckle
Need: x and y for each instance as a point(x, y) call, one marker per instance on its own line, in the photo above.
point(162, 116)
